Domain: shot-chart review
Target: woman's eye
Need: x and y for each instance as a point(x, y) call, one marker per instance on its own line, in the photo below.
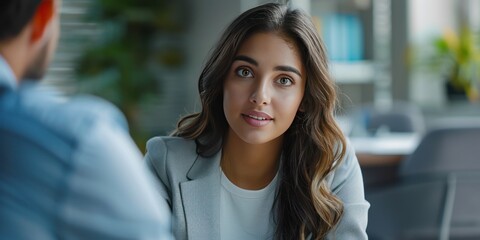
point(285, 81)
point(244, 72)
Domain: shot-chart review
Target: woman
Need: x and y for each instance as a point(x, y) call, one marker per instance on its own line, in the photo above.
point(264, 159)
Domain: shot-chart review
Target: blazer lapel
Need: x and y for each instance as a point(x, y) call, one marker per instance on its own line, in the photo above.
point(201, 198)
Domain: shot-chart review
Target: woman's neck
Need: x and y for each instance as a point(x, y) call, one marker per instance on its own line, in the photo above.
point(250, 166)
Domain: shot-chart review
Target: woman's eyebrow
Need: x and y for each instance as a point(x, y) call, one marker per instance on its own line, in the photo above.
point(278, 68)
point(288, 69)
point(246, 59)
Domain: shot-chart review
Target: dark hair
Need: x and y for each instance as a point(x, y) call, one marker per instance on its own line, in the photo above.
point(313, 144)
point(14, 16)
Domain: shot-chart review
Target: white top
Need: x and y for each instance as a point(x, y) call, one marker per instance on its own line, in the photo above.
point(246, 214)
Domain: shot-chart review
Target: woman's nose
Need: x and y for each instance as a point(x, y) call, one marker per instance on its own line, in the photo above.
point(261, 93)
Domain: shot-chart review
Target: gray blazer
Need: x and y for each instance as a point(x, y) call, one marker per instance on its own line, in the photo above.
point(191, 185)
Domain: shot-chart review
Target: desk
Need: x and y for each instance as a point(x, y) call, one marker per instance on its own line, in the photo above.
point(385, 149)
point(380, 156)
point(386, 144)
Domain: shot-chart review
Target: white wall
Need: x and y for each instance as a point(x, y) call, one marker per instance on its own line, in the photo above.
point(207, 21)
point(429, 18)
point(426, 20)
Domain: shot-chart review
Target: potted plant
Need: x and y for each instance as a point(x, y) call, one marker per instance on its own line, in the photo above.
point(457, 58)
point(122, 62)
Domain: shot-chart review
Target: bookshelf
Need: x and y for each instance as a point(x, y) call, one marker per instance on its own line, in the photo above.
point(356, 72)
point(358, 40)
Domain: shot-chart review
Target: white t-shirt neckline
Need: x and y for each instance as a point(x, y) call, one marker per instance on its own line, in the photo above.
point(246, 214)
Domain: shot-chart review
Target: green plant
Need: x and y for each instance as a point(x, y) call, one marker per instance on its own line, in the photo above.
point(457, 57)
point(122, 63)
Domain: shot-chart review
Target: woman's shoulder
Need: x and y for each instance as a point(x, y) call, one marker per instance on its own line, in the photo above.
point(345, 167)
point(170, 143)
point(171, 152)
point(349, 159)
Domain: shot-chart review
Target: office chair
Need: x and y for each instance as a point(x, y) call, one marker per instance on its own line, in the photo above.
point(445, 150)
point(437, 195)
point(372, 121)
point(400, 117)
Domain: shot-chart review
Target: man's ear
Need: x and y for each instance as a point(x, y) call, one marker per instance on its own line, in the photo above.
point(41, 18)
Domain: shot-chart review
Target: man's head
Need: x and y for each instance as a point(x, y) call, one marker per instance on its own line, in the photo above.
point(29, 31)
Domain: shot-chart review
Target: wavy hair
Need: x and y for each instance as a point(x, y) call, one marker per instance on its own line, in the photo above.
point(313, 144)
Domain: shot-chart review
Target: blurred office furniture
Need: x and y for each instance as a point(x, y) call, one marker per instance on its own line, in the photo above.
point(382, 137)
point(437, 193)
point(399, 117)
point(453, 148)
point(366, 42)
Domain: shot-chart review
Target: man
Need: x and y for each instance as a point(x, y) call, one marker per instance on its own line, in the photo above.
point(68, 169)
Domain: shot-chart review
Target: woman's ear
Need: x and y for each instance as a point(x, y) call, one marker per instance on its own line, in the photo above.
point(301, 108)
point(41, 18)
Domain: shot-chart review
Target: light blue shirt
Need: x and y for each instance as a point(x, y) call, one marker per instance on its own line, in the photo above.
point(7, 78)
point(69, 170)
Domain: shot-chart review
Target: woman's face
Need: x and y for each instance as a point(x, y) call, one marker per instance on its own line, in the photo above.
point(263, 88)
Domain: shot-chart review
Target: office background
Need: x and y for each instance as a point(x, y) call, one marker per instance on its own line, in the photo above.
point(377, 50)
point(408, 73)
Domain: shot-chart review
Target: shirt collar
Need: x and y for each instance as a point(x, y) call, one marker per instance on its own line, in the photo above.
point(7, 78)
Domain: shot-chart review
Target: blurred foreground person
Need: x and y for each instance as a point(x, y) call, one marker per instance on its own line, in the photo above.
point(68, 169)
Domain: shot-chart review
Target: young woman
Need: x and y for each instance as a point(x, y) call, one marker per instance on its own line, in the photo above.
point(264, 159)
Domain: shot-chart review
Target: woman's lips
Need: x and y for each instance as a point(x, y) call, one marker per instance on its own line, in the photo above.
point(257, 119)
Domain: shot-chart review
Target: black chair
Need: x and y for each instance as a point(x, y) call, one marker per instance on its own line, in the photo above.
point(438, 193)
point(400, 117)
point(370, 121)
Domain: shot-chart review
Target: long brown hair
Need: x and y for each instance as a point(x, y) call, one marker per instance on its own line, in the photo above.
point(313, 144)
